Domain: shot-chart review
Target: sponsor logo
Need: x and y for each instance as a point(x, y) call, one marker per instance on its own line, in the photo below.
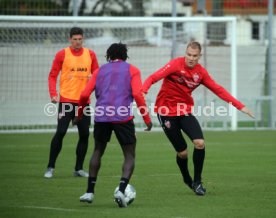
point(79, 69)
point(195, 77)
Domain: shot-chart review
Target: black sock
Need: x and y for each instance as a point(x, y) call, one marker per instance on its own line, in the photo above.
point(183, 166)
point(91, 184)
point(123, 184)
point(198, 158)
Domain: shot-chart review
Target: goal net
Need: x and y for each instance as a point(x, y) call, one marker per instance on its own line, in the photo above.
point(29, 44)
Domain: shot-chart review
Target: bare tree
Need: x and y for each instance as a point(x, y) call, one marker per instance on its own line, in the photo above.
point(137, 8)
point(105, 7)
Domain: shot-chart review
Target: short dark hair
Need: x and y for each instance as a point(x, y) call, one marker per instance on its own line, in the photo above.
point(117, 51)
point(76, 31)
point(194, 45)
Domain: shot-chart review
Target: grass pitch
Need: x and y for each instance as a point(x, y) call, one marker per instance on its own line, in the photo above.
point(239, 175)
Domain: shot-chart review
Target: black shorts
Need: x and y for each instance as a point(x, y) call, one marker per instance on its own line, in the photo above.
point(66, 113)
point(172, 127)
point(125, 132)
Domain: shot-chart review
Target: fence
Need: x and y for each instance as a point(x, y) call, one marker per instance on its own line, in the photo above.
point(28, 45)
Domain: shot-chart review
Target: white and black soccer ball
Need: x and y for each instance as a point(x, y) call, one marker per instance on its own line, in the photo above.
point(130, 193)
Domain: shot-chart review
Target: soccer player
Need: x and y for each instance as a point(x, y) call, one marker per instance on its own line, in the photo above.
point(76, 65)
point(174, 105)
point(116, 85)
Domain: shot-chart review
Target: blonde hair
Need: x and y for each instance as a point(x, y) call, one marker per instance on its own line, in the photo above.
point(194, 45)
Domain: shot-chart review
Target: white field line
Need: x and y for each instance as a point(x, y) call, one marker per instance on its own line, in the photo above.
point(151, 175)
point(52, 208)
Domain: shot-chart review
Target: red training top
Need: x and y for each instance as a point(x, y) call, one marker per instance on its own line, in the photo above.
point(178, 84)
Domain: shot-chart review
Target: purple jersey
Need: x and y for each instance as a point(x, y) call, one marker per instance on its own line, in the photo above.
point(113, 92)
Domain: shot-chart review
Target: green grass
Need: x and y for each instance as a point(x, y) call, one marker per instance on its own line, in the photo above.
point(239, 174)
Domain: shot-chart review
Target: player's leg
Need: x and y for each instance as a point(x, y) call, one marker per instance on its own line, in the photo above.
point(82, 145)
point(125, 133)
point(102, 135)
point(172, 129)
point(63, 120)
point(95, 164)
point(192, 128)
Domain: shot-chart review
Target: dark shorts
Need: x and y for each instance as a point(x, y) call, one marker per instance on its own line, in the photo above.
point(125, 132)
point(66, 113)
point(172, 127)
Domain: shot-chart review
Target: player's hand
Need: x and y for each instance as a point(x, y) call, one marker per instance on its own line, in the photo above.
point(149, 126)
point(54, 99)
point(76, 120)
point(248, 112)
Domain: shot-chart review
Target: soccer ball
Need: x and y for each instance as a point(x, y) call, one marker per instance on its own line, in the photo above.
point(130, 193)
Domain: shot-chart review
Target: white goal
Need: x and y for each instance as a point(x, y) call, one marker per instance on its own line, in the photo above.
point(28, 45)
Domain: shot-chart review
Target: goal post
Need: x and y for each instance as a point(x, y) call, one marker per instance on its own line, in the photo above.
point(28, 45)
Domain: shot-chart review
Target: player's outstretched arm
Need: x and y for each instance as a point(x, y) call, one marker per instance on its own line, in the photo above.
point(139, 96)
point(248, 112)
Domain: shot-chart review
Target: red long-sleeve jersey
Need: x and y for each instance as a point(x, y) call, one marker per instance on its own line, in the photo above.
point(136, 90)
point(178, 85)
point(56, 69)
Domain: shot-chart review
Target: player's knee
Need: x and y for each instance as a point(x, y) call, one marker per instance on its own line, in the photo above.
point(183, 154)
point(60, 133)
point(84, 135)
point(199, 143)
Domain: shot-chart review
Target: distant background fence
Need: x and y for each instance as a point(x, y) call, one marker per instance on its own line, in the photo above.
point(28, 48)
point(27, 54)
